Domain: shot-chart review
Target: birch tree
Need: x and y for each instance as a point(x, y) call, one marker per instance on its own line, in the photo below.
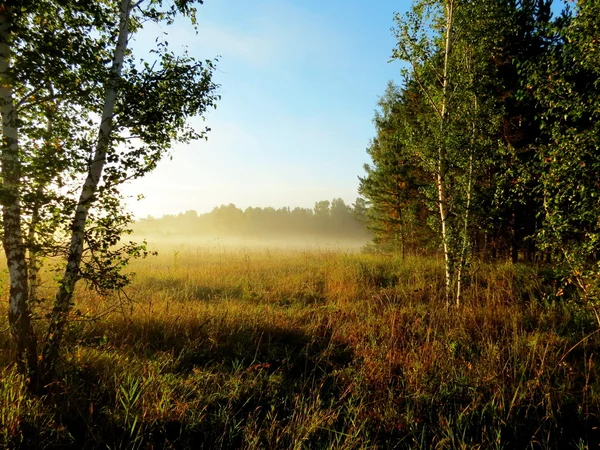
point(425, 40)
point(93, 116)
point(448, 45)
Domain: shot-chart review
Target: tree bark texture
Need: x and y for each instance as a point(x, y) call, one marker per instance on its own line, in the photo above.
point(442, 160)
point(63, 301)
point(19, 313)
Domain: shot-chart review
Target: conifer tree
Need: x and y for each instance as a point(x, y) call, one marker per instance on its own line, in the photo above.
point(392, 183)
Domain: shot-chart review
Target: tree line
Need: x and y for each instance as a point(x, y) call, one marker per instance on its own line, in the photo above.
point(328, 220)
point(490, 146)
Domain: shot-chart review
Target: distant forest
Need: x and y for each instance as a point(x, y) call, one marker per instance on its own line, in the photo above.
point(328, 220)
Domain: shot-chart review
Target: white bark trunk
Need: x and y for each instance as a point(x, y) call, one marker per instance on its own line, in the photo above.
point(442, 162)
point(62, 303)
point(33, 262)
point(465, 237)
point(19, 312)
point(467, 216)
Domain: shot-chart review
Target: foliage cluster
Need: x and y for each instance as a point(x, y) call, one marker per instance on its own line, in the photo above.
point(81, 114)
point(490, 146)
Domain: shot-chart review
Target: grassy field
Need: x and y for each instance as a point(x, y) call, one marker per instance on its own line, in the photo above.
point(316, 348)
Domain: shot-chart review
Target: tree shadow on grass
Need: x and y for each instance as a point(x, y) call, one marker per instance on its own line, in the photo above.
point(260, 371)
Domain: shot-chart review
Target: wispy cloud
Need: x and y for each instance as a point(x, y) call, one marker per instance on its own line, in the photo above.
point(250, 48)
point(297, 34)
point(275, 32)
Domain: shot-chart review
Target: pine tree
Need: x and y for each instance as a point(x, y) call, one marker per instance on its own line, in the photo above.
point(397, 213)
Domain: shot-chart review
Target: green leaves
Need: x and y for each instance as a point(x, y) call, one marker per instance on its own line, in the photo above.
point(394, 182)
point(564, 85)
point(85, 126)
point(466, 126)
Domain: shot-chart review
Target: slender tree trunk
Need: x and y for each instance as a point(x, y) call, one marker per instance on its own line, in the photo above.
point(19, 313)
point(442, 162)
point(514, 244)
point(465, 237)
point(33, 264)
point(400, 236)
point(63, 300)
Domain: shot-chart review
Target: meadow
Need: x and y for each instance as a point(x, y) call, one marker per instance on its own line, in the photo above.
point(218, 347)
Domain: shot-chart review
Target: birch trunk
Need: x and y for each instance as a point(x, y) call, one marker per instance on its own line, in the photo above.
point(64, 296)
point(33, 263)
point(465, 238)
point(19, 313)
point(442, 162)
point(32, 260)
point(467, 214)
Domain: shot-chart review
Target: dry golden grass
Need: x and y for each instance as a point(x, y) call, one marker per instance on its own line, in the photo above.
point(316, 348)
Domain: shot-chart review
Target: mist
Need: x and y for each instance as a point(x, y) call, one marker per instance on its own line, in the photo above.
point(330, 225)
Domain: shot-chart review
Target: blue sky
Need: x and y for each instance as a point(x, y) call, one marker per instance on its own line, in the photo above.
point(300, 81)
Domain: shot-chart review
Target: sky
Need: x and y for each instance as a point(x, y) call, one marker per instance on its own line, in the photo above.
point(300, 80)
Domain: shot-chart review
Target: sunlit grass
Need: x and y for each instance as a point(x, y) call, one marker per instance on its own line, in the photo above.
point(316, 348)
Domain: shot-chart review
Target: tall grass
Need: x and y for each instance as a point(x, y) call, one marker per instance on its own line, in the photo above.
point(227, 348)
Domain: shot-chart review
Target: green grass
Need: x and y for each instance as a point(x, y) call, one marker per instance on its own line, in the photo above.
point(315, 349)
